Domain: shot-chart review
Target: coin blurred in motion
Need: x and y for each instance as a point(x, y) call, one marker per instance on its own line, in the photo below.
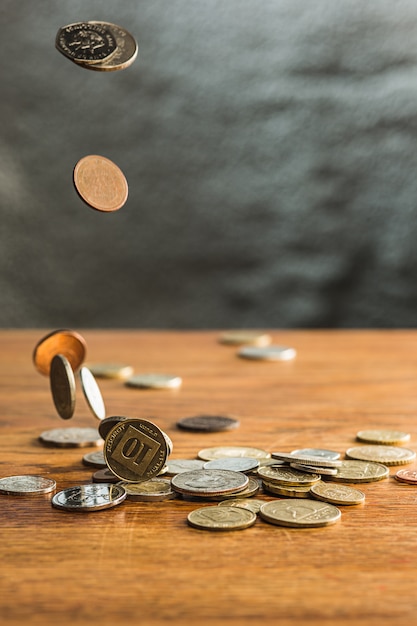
point(66, 342)
point(62, 384)
point(90, 497)
point(108, 423)
point(360, 472)
point(71, 437)
point(237, 464)
point(118, 371)
point(92, 393)
point(407, 476)
point(332, 455)
point(243, 503)
point(337, 494)
point(220, 452)
point(221, 518)
point(94, 459)
point(154, 381)
point(208, 423)
point(299, 513)
point(100, 183)
point(124, 55)
point(105, 476)
point(135, 450)
point(383, 437)
point(153, 490)
point(209, 482)
point(86, 42)
point(245, 337)
point(26, 485)
point(268, 353)
point(387, 455)
point(178, 466)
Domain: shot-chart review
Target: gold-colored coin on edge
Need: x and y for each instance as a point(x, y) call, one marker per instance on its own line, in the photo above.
point(92, 393)
point(221, 518)
point(337, 494)
point(119, 371)
point(62, 384)
point(383, 437)
point(100, 183)
point(387, 455)
point(299, 513)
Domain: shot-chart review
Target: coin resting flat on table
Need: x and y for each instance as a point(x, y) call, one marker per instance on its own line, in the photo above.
point(245, 337)
point(208, 454)
point(221, 518)
point(387, 455)
point(71, 437)
point(208, 423)
point(154, 381)
point(90, 497)
point(118, 371)
point(209, 482)
point(100, 183)
point(26, 485)
point(300, 513)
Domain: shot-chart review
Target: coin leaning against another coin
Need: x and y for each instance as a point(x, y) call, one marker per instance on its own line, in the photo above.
point(92, 393)
point(299, 513)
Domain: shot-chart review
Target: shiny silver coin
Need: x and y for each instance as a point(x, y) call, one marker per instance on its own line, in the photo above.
point(91, 497)
point(154, 381)
point(236, 464)
point(62, 383)
point(325, 471)
point(221, 452)
point(71, 437)
point(208, 423)
point(92, 393)
point(319, 452)
point(94, 459)
point(243, 503)
point(179, 466)
point(305, 460)
point(26, 485)
point(267, 353)
point(209, 482)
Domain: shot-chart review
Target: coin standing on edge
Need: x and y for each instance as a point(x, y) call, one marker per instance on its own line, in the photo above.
point(26, 485)
point(62, 384)
point(71, 437)
point(221, 518)
point(100, 183)
point(92, 393)
point(268, 353)
point(208, 423)
point(90, 497)
point(66, 342)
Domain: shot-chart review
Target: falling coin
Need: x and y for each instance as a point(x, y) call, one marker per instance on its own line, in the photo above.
point(92, 393)
point(208, 423)
point(62, 386)
point(66, 342)
point(221, 518)
point(26, 485)
point(124, 55)
point(268, 353)
point(100, 183)
point(154, 381)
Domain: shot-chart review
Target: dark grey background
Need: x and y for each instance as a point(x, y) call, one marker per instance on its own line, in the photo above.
point(270, 148)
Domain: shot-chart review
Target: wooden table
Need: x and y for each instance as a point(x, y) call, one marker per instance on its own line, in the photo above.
point(140, 563)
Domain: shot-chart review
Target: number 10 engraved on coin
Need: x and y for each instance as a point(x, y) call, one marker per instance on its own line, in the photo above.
point(135, 450)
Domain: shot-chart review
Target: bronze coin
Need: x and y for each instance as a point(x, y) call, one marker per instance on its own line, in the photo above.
point(62, 386)
point(66, 342)
point(407, 476)
point(105, 475)
point(107, 424)
point(208, 423)
point(100, 183)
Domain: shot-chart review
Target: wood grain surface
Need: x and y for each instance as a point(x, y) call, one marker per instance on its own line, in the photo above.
point(140, 563)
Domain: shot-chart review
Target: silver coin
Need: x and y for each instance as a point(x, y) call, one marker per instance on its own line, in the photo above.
point(305, 460)
point(237, 464)
point(387, 455)
point(209, 482)
point(62, 381)
point(154, 381)
point(90, 497)
point(92, 393)
point(26, 485)
point(360, 472)
point(153, 490)
point(94, 459)
point(71, 437)
point(178, 466)
point(310, 469)
point(267, 353)
point(321, 453)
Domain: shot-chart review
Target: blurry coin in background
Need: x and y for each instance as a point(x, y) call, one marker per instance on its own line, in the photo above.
point(177, 466)
point(245, 337)
point(387, 455)
point(331, 455)
point(92, 393)
point(100, 183)
point(66, 342)
point(119, 371)
point(26, 485)
point(237, 464)
point(94, 459)
point(221, 452)
point(383, 437)
point(208, 423)
point(268, 353)
point(105, 476)
point(108, 423)
point(154, 381)
point(71, 437)
point(62, 384)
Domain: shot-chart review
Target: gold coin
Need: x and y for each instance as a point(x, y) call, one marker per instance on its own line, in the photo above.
point(387, 455)
point(250, 490)
point(209, 482)
point(299, 513)
point(100, 183)
point(245, 337)
point(124, 55)
point(219, 452)
point(86, 41)
point(62, 386)
point(153, 490)
point(119, 371)
point(383, 437)
point(66, 342)
point(291, 491)
point(287, 476)
point(360, 472)
point(337, 494)
point(92, 393)
point(221, 518)
point(154, 381)
point(243, 503)
point(267, 353)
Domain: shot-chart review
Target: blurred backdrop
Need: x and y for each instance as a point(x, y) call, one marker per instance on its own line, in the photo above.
point(270, 148)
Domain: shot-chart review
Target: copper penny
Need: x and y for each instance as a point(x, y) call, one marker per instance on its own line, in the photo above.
point(66, 342)
point(100, 183)
point(407, 476)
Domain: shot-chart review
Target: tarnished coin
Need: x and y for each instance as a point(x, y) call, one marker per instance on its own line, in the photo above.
point(26, 485)
point(268, 353)
point(388, 455)
point(208, 423)
point(323, 471)
point(108, 423)
point(94, 459)
point(305, 460)
point(407, 476)
point(153, 490)
point(243, 503)
point(124, 55)
point(86, 42)
point(135, 450)
point(90, 497)
point(237, 464)
point(92, 393)
point(100, 183)
point(119, 371)
point(221, 518)
point(105, 476)
point(289, 491)
point(209, 482)
point(154, 381)
point(221, 452)
point(250, 490)
point(383, 437)
point(71, 437)
point(287, 476)
point(299, 513)
point(332, 455)
point(337, 494)
point(245, 337)
point(178, 466)
point(62, 384)
point(66, 342)
point(360, 472)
